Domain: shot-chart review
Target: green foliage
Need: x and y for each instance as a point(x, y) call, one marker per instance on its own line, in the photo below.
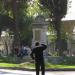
point(22, 11)
point(56, 7)
point(52, 34)
point(33, 8)
point(17, 10)
point(25, 29)
point(68, 60)
point(63, 35)
point(57, 10)
point(1, 6)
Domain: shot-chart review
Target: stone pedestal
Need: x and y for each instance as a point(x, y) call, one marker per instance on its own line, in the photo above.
point(39, 30)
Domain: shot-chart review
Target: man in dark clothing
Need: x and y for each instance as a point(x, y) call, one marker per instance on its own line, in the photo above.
point(37, 55)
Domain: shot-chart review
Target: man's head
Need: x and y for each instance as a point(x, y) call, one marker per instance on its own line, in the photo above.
point(37, 44)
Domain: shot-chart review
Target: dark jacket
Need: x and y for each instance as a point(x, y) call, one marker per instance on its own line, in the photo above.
point(37, 52)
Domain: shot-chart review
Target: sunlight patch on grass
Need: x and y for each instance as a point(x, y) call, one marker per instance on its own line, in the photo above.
point(27, 65)
point(8, 65)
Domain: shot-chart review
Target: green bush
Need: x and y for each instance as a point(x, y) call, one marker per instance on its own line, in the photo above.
point(68, 60)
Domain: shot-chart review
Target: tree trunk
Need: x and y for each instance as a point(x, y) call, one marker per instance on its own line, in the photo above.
point(57, 27)
point(17, 35)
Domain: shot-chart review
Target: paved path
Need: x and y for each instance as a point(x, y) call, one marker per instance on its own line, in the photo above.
point(19, 72)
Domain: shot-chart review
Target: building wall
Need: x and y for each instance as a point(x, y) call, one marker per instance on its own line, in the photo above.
point(68, 27)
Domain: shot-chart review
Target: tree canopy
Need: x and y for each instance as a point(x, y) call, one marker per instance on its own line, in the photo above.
point(20, 15)
point(13, 15)
point(57, 10)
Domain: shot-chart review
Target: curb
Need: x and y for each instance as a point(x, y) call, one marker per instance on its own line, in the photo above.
point(15, 68)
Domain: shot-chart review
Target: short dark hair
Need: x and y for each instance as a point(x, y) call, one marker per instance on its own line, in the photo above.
point(37, 43)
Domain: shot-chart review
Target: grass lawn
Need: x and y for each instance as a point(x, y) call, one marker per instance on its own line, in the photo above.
point(31, 66)
point(8, 65)
point(10, 62)
point(48, 65)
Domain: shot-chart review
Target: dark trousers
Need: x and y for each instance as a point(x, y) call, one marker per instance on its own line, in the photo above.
point(40, 65)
